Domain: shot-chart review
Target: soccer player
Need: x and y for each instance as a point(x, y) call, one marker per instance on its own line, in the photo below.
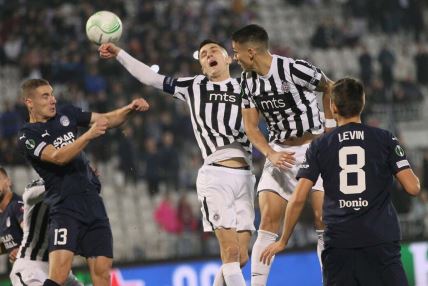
point(357, 163)
point(31, 266)
point(78, 222)
point(282, 89)
point(225, 184)
point(11, 212)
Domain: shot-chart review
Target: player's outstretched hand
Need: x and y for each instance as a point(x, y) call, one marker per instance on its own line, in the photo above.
point(108, 50)
point(283, 160)
point(271, 250)
point(139, 104)
point(98, 128)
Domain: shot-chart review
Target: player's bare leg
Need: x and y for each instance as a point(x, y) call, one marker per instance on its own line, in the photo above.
point(60, 262)
point(99, 268)
point(272, 209)
point(244, 238)
point(317, 199)
point(230, 254)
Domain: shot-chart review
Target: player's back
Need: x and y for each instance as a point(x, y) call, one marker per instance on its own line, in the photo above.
point(357, 164)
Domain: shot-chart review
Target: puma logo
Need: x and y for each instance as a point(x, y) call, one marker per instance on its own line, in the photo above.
point(45, 134)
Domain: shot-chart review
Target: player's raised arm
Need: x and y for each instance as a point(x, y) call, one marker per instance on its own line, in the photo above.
point(118, 116)
point(138, 69)
point(68, 152)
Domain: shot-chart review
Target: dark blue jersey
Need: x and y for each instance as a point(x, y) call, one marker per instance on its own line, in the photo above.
point(10, 223)
point(357, 164)
point(60, 181)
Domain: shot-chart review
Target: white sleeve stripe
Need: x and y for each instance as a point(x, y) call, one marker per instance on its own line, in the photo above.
point(39, 149)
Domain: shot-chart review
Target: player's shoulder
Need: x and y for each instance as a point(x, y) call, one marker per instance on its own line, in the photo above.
point(67, 109)
point(380, 133)
point(29, 130)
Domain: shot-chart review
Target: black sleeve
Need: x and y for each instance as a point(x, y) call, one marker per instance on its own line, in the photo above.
point(397, 159)
point(310, 168)
point(83, 118)
point(31, 143)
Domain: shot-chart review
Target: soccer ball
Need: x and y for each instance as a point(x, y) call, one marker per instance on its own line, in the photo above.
point(103, 27)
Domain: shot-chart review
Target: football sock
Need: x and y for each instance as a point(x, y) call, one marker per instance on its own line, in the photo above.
point(232, 274)
point(219, 279)
point(320, 245)
point(259, 270)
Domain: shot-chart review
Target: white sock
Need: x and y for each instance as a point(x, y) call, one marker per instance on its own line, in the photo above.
point(219, 279)
point(232, 274)
point(320, 245)
point(260, 271)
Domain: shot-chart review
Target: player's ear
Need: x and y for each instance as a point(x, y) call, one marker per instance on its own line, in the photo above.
point(333, 109)
point(251, 52)
point(229, 60)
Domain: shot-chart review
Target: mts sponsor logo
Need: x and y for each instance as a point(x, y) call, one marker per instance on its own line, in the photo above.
point(272, 101)
point(64, 140)
point(355, 204)
point(222, 97)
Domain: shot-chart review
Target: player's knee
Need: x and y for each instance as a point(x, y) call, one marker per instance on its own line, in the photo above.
point(269, 223)
point(102, 275)
point(243, 258)
point(232, 253)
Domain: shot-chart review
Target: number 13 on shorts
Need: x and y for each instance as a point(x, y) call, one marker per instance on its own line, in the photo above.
point(60, 236)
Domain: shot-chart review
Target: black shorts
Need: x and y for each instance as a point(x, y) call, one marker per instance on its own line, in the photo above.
point(88, 236)
point(369, 266)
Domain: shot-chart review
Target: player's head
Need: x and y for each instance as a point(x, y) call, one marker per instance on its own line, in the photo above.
point(248, 43)
point(213, 58)
point(39, 99)
point(5, 183)
point(347, 98)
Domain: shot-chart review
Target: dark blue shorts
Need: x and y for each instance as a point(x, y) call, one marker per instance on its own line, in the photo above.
point(86, 235)
point(378, 265)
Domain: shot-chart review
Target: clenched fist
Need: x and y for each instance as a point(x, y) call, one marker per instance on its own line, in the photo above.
point(139, 104)
point(108, 51)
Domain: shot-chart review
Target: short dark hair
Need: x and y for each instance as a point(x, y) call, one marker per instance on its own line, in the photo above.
point(251, 33)
point(209, 41)
point(348, 96)
point(30, 84)
point(3, 171)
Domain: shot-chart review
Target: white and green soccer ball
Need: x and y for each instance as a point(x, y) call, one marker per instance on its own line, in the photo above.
point(103, 27)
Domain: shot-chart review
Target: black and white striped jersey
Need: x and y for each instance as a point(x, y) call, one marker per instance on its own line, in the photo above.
point(285, 97)
point(215, 110)
point(34, 245)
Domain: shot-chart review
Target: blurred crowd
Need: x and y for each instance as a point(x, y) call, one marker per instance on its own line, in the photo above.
point(46, 39)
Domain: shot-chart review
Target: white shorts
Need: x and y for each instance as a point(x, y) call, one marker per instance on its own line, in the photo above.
point(29, 272)
point(227, 198)
point(34, 273)
point(283, 182)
